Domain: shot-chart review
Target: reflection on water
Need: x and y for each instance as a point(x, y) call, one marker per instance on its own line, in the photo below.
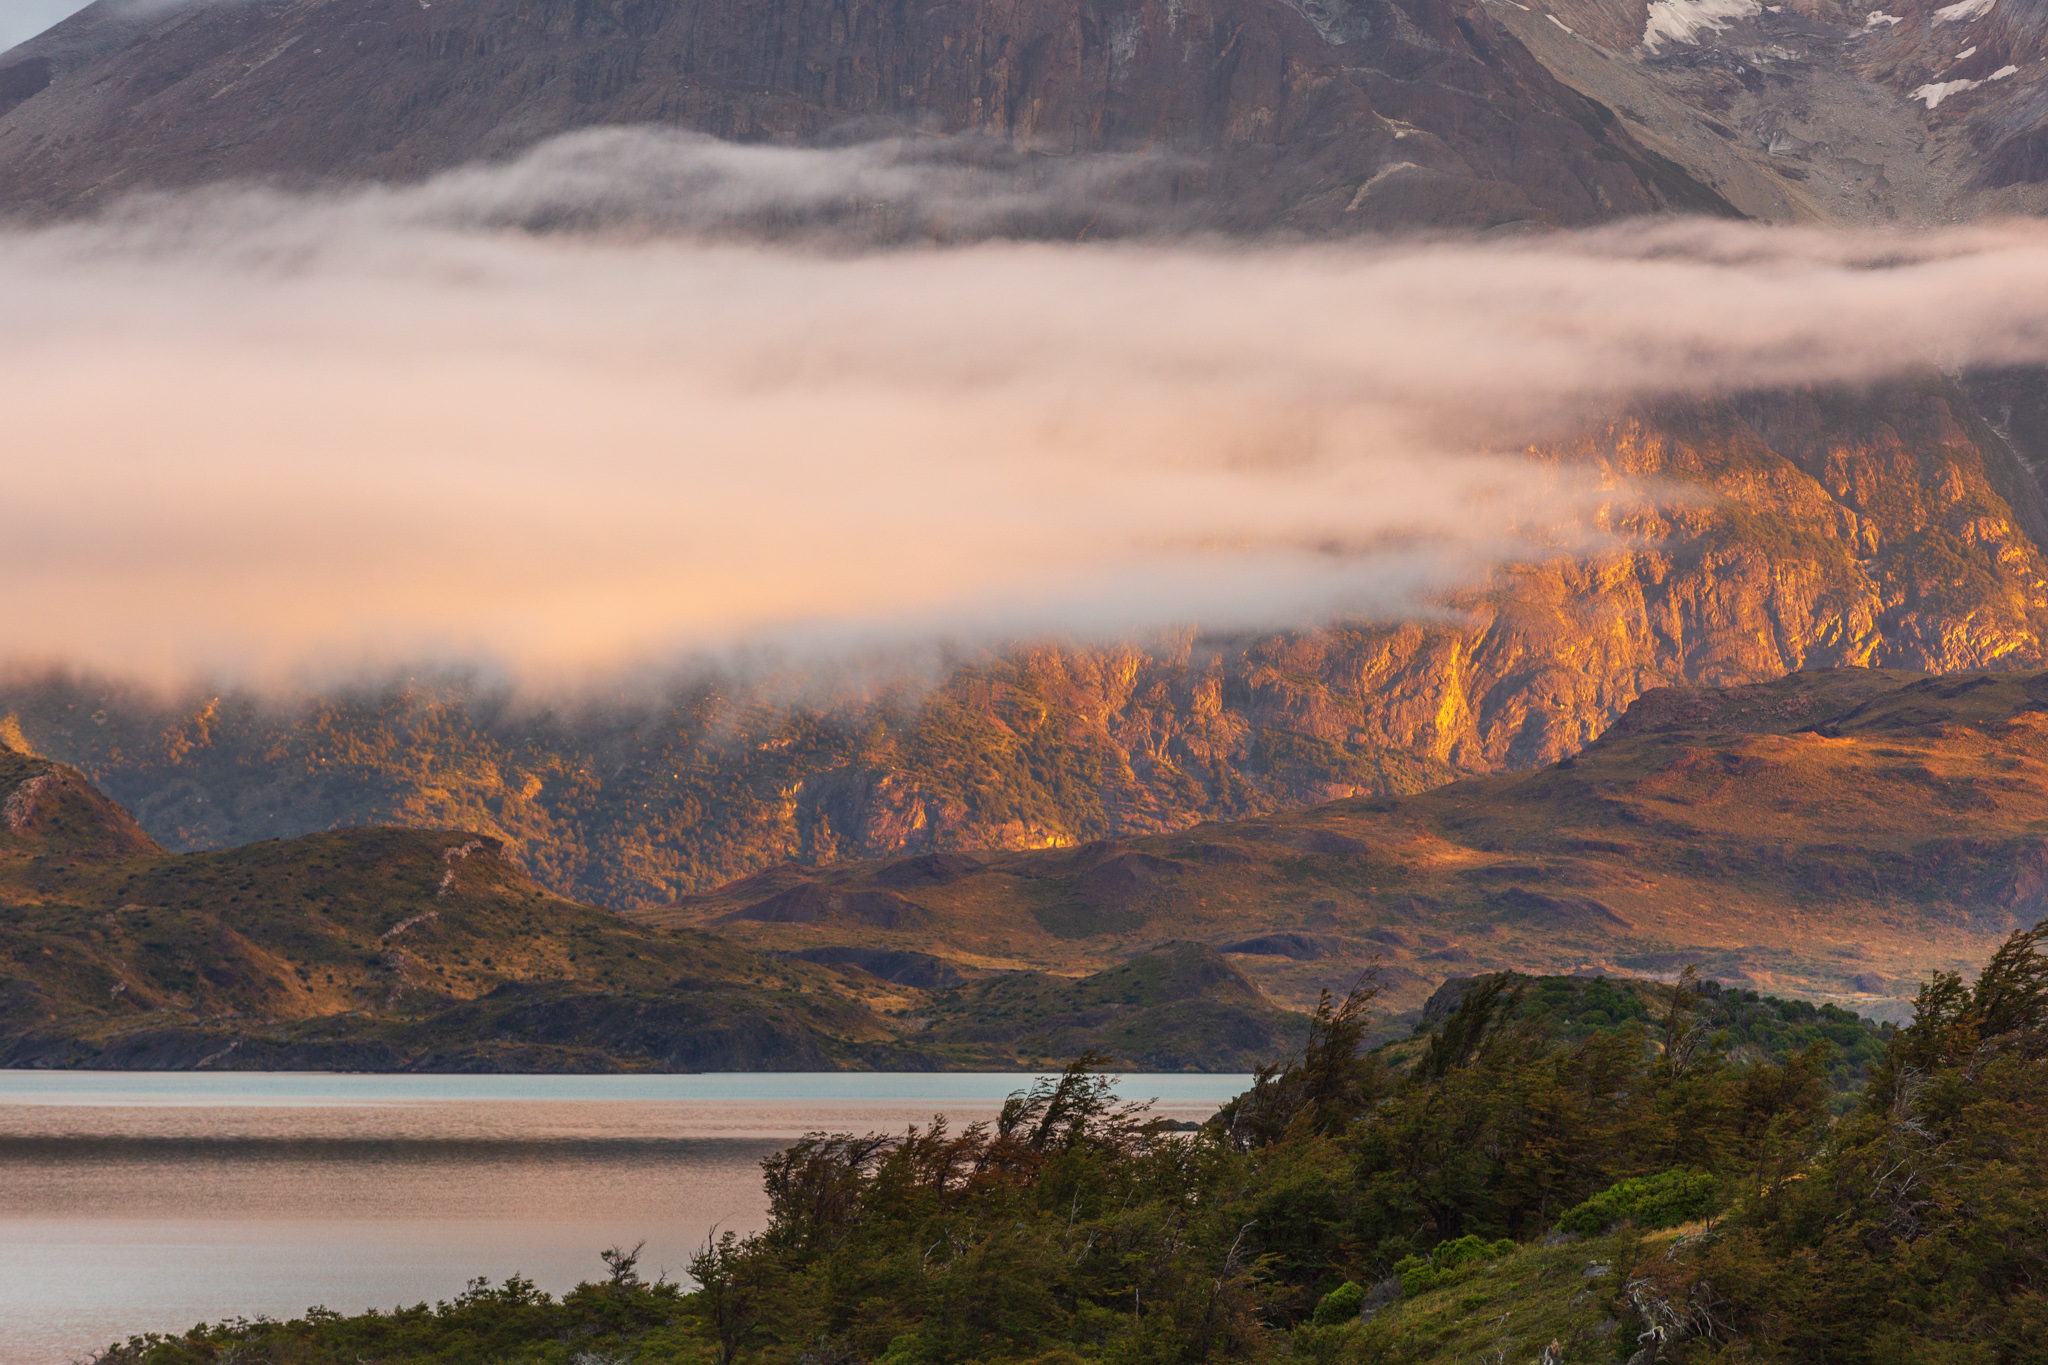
point(136, 1202)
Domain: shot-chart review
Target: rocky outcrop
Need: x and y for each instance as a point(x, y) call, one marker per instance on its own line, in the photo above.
point(51, 809)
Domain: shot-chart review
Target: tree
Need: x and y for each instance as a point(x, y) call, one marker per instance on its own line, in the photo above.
point(1325, 1088)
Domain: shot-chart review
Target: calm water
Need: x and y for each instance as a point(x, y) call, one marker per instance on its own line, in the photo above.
point(149, 1201)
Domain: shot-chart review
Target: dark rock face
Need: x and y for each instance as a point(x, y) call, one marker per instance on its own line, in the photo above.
point(1126, 880)
point(19, 80)
point(1327, 118)
point(1444, 1002)
point(1563, 912)
point(928, 869)
point(1301, 947)
point(899, 966)
point(809, 904)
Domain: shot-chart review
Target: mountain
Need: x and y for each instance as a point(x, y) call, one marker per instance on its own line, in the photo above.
point(1313, 116)
point(1899, 527)
point(1836, 834)
point(1919, 112)
point(1325, 117)
point(390, 950)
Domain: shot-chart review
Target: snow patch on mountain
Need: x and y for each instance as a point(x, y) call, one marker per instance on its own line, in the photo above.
point(1938, 91)
point(1963, 11)
point(1687, 21)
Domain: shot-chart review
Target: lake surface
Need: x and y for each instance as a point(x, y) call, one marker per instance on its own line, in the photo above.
point(134, 1202)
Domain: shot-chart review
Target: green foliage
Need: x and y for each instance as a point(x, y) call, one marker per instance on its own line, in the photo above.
point(1176, 1007)
point(1650, 1202)
point(623, 1318)
point(1329, 1083)
point(1921, 1232)
point(1340, 1304)
point(1728, 1022)
point(1448, 1262)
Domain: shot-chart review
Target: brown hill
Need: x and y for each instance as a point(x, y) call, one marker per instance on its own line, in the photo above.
point(1894, 528)
point(385, 950)
point(1834, 834)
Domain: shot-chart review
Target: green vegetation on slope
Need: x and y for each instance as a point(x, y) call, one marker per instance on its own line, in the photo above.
point(1729, 1022)
point(1180, 1007)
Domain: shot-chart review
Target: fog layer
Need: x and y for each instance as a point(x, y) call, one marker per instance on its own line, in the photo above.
point(262, 434)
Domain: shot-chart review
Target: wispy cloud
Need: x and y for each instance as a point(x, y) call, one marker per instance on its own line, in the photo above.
point(260, 433)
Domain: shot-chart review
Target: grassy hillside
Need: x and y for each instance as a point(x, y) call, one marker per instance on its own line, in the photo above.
point(1832, 834)
point(388, 949)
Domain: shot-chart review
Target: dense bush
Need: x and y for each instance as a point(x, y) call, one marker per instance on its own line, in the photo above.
point(1447, 1263)
point(1341, 1304)
point(514, 1323)
point(1653, 1201)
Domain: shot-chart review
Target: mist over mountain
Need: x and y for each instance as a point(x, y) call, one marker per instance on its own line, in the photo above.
point(1889, 528)
point(576, 340)
point(659, 535)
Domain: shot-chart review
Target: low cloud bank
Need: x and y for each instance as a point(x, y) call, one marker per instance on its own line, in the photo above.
point(261, 434)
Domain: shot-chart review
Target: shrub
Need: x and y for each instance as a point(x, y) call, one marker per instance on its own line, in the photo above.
point(1448, 1263)
point(1341, 1304)
point(1649, 1201)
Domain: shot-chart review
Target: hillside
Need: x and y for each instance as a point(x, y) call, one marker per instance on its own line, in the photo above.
point(383, 949)
point(1832, 834)
point(1895, 528)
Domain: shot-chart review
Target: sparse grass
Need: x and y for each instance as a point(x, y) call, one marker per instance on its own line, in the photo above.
point(1511, 1309)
